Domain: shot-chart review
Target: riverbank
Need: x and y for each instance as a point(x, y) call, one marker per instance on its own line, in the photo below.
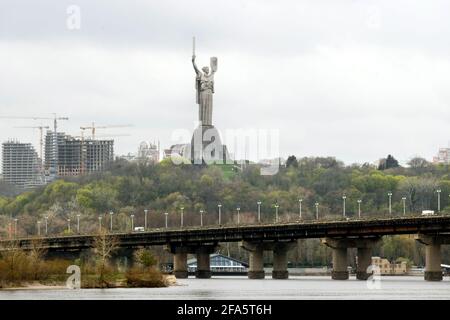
point(168, 280)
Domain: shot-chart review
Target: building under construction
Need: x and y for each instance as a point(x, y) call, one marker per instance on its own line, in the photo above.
point(21, 165)
point(71, 156)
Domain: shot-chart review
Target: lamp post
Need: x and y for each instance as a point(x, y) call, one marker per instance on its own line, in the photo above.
point(220, 212)
point(390, 202)
point(78, 223)
point(39, 228)
point(404, 205)
point(259, 210)
point(10, 232)
point(343, 205)
point(111, 220)
point(46, 225)
point(145, 219)
point(99, 223)
point(359, 208)
point(167, 215)
point(182, 214)
point(276, 212)
point(439, 199)
point(300, 208)
point(68, 225)
point(132, 222)
point(317, 210)
point(15, 227)
point(238, 209)
point(201, 218)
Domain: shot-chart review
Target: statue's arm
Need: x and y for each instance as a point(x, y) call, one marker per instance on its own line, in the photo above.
point(195, 65)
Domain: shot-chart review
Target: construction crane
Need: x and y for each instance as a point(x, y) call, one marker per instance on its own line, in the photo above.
point(41, 138)
point(93, 128)
point(55, 119)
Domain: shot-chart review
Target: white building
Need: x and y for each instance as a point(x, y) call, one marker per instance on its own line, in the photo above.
point(443, 156)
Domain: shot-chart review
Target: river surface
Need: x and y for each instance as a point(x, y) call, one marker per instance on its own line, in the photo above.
point(297, 287)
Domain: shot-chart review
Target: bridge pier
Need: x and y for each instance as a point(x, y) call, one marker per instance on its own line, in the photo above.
point(256, 263)
point(256, 250)
point(280, 251)
point(340, 261)
point(180, 269)
point(202, 252)
point(433, 270)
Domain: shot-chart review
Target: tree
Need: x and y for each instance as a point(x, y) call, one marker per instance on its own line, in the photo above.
point(292, 161)
point(388, 163)
point(104, 245)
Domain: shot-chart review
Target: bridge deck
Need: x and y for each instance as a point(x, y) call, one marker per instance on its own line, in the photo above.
point(260, 232)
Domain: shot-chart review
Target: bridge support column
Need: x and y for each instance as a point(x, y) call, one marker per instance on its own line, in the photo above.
point(180, 269)
point(433, 270)
point(340, 246)
point(364, 256)
point(256, 268)
point(280, 260)
point(203, 264)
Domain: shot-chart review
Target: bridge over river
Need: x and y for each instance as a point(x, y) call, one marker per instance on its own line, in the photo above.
point(363, 234)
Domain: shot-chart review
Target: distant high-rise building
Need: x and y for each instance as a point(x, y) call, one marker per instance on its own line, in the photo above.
point(21, 165)
point(74, 156)
point(443, 156)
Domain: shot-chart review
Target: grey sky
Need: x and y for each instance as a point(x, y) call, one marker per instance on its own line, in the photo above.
point(351, 79)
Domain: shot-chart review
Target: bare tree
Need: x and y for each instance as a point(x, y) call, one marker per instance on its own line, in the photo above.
point(36, 256)
point(104, 245)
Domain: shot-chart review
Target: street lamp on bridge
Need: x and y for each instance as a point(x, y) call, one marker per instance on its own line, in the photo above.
point(15, 227)
point(111, 213)
point(300, 208)
point(238, 209)
point(78, 223)
point(46, 225)
point(317, 210)
point(99, 223)
point(343, 206)
point(39, 228)
point(201, 218)
point(439, 199)
point(220, 212)
point(132, 222)
point(404, 205)
point(390, 202)
point(259, 210)
point(359, 208)
point(68, 225)
point(182, 214)
point(276, 212)
point(167, 215)
point(145, 219)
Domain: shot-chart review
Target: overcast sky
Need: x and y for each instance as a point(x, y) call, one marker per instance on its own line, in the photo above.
point(351, 79)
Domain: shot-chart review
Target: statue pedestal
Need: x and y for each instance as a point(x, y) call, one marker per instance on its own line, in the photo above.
point(206, 146)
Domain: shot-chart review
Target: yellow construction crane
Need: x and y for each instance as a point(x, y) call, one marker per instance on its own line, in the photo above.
point(41, 138)
point(93, 128)
point(55, 119)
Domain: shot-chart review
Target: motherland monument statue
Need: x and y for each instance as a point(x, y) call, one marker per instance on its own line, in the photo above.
point(206, 146)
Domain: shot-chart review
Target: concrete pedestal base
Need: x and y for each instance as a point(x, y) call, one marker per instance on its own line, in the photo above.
point(280, 274)
point(203, 274)
point(180, 274)
point(339, 275)
point(256, 275)
point(433, 275)
point(362, 275)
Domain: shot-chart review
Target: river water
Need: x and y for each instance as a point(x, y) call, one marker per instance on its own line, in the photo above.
point(297, 287)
